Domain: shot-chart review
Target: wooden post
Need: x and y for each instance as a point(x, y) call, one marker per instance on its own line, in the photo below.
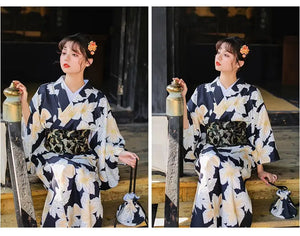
point(159, 59)
point(174, 111)
point(16, 159)
point(120, 91)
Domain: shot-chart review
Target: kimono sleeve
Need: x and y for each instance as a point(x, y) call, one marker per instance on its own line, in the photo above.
point(192, 136)
point(263, 140)
point(109, 145)
point(32, 133)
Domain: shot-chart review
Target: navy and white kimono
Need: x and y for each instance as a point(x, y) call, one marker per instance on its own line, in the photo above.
point(221, 198)
point(73, 181)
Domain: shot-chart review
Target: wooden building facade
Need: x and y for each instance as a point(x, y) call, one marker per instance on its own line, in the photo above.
point(183, 45)
point(29, 50)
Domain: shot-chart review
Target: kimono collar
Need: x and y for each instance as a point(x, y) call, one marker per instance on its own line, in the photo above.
point(218, 94)
point(226, 92)
point(236, 88)
point(61, 93)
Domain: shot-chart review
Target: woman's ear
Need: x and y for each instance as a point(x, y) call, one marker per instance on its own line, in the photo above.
point(240, 64)
point(89, 62)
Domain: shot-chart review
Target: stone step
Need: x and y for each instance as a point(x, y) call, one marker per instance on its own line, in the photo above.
point(256, 188)
point(261, 215)
point(111, 199)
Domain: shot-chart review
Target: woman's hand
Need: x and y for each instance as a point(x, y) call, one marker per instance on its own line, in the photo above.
point(183, 85)
point(22, 90)
point(266, 176)
point(24, 103)
point(183, 94)
point(128, 158)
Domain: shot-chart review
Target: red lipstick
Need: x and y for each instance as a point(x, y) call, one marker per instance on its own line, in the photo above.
point(66, 65)
point(218, 63)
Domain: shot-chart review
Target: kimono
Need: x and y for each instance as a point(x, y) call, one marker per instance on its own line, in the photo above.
point(73, 181)
point(221, 198)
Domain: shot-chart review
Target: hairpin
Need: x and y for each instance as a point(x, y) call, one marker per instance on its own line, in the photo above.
point(92, 47)
point(244, 50)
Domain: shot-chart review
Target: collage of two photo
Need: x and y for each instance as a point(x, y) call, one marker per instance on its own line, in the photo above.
point(149, 117)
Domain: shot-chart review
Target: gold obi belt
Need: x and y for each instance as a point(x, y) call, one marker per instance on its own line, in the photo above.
point(67, 141)
point(226, 133)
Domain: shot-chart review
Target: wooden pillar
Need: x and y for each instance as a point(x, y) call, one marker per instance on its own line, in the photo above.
point(159, 59)
point(174, 110)
point(16, 160)
point(165, 53)
point(121, 58)
point(290, 61)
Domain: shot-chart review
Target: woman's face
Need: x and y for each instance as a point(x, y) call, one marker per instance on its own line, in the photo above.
point(72, 61)
point(225, 61)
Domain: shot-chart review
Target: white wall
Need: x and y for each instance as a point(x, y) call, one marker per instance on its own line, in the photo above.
point(3, 157)
point(159, 143)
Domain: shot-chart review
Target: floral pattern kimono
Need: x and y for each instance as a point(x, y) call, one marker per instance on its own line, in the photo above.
point(73, 181)
point(221, 198)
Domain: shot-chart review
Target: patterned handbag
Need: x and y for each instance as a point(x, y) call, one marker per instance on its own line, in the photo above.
point(131, 212)
point(283, 207)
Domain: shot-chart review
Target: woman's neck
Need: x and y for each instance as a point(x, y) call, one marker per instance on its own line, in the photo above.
point(74, 82)
point(227, 79)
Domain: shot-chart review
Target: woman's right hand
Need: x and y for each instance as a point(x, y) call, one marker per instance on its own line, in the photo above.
point(183, 85)
point(22, 90)
point(24, 103)
point(183, 94)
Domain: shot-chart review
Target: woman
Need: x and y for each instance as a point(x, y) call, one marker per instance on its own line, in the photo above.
point(72, 141)
point(227, 133)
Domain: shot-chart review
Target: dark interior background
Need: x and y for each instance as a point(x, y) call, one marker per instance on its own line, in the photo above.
point(190, 33)
point(29, 53)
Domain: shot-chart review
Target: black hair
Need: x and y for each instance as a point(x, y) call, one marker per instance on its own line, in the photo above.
point(82, 40)
point(233, 45)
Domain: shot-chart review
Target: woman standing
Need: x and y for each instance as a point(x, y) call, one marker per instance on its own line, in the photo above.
point(72, 141)
point(227, 132)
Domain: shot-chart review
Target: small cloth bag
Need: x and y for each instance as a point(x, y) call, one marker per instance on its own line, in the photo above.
point(283, 207)
point(131, 212)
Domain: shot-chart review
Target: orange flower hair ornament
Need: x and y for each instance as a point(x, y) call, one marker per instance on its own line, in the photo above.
point(244, 51)
point(92, 47)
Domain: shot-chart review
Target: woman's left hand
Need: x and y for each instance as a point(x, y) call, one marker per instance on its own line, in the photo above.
point(128, 158)
point(267, 177)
